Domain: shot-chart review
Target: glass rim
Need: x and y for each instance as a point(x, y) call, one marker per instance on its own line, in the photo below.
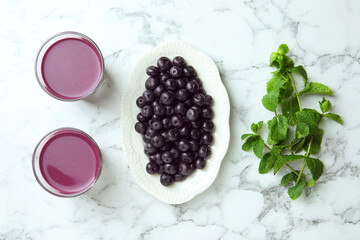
point(36, 162)
point(43, 49)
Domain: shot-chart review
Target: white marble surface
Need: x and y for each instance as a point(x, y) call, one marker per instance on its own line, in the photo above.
point(239, 35)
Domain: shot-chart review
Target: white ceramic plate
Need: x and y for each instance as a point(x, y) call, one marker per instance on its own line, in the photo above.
point(178, 192)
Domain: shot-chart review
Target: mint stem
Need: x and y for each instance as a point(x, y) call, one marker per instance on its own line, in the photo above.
point(304, 163)
point(292, 170)
point(296, 92)
point(286, 164)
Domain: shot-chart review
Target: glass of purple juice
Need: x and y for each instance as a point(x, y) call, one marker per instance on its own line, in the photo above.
point(69, 66)
point(67, 162)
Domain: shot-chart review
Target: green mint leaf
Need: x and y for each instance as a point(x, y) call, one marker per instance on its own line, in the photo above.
point(246, 135)
point(274, 83)
point(287, 89)
point(316, 141)
point(255, 127)
point(283, 49)
point(297, 145)
point(289, 109)
point(311, 183)
point(288, 178)
point(266, 163)
point(310, 117)
point(302, 130)
point(283, 159)
point(258, 147)
point(271, 100)
point(288, 62)
point(301, 71)
point(334, 117)
point(280, 60)
point(316, 88)
point(248, 143)
point(296, 191)
point(325, 105)
point(315, 166)
point(273, 60)
point(277, 129)
point(276, 150)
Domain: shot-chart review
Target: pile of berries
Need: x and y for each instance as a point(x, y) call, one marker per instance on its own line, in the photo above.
point(175, 120)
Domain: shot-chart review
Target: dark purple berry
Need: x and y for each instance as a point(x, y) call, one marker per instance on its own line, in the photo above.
point(196, 79)
point(155, 103)
point(165, 148)
point(140, 127)
point(192, 113)
point(179, 61)
point(195, 134)
point(150, 132)
point(184, 131)
point(157, 125)
point(179, 177)
point(159, 109)
point(192, 86)
point(164, 77)
point(192, 168)
point(183, 145)
point(200, 163)
point(206, 139)
point(164, 64)
point(208, 100)
point(167, 157)
point(152, 71)
point(187, 157)
point(140, 102)
point(207, 113)
point(146, 138)
point(166, 123)
point(196, 124)
point(158, 159)
point(189, 71)
point(204, 151)
point(151, 83)
point(161, 169)
point(181, 83)
point(180, 108)
point(194, 146)
point(173, 134)
point(146, 111)
point(207, 126)
point(166, 179)
point(167, 98)
point(148, 96)
point(169, 110)
point(199, 99)
point(177, 121)
point(171, 84)
point(169, 168)
point(159, 90)
point(175, 153)
point(150, 149)
point(140, 117)
point(182, 95)
point(152, 168)
point(184, 168)
point(175, 72)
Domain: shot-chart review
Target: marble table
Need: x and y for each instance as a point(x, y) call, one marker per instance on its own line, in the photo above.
point(239, 36)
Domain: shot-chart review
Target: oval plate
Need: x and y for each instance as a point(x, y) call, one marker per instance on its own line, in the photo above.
point(178, 192)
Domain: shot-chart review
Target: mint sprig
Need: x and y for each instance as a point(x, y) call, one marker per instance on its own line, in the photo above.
point(282, 148)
